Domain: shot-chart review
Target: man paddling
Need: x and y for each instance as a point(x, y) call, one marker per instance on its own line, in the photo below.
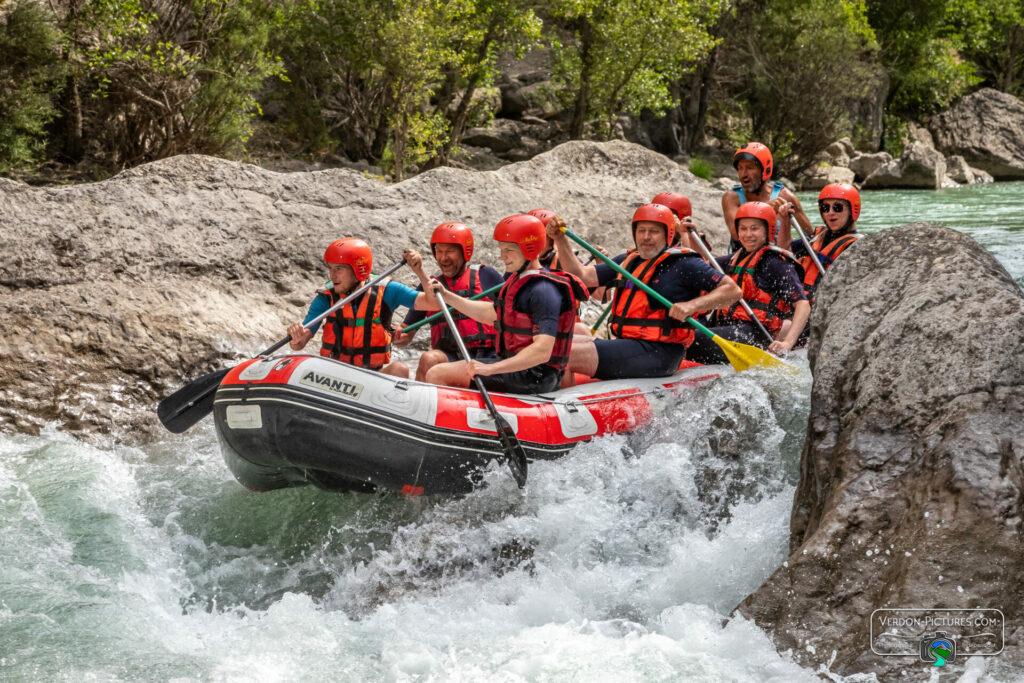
point(754, 168)
point(534, 313)
point(360, 332)
point(650, 339)
point(452, 246)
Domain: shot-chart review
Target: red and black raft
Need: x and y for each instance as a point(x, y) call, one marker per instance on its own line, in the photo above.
point(298, 419)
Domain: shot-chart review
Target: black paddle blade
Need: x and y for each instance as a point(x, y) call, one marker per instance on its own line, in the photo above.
point(191, 403)
point(515, 455)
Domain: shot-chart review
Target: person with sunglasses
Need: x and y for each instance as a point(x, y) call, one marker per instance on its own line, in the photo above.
point(839, 206)
point(754, 168)
point(769, 282)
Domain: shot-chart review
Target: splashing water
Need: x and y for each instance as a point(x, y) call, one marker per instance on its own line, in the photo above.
point(621, 560)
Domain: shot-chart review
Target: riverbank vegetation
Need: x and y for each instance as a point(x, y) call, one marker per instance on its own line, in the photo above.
point(89, 87)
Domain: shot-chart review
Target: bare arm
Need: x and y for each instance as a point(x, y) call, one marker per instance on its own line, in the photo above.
point(727, 292)
point(481, 311)
point(801, 314)
point(567, 260)
point(730, 204)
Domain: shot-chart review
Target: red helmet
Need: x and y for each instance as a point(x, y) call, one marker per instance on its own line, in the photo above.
point(760, 211)
point(847, 193)
point(656, 213)
point(759, 153)
point(544, 215)
point(679, 204)
point(454, 233)
point(525, 230)
point(352, 252)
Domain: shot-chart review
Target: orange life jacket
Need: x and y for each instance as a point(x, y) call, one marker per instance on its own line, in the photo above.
point(633, 314)
point(770, 308)
point(827, 255)
point(515, 329)
point(475, 335)
point(357, 333)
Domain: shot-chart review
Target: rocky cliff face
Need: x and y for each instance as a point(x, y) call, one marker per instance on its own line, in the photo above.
point(912, 477)
point(114, 293)
point(985, 128)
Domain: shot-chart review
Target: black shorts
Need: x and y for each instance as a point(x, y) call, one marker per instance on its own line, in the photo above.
point(624, 358)
point(539, 379)
point(477, 353)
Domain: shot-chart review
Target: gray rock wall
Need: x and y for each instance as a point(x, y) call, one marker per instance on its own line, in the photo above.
point(911, 490)
point(114, 293)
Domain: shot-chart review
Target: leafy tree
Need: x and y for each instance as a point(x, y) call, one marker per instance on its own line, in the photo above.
point(152, 78)
point(394, 82)
point(624, 56)
point(925, 70)
point(800, 67)
point(30, 73)
point(991, 35)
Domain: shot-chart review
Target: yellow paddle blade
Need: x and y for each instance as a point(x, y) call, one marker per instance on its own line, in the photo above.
point(744, 356)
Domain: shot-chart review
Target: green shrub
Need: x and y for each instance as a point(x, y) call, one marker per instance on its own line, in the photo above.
point(701, 168)
point(30, 75)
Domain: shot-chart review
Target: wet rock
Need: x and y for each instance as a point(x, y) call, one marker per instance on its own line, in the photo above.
point(911, 488)
point(919, 167)
point(985, 128)
point(864, 165)
point(115, 293)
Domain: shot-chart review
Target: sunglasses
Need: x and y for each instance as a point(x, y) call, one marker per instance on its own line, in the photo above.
point(836, 207)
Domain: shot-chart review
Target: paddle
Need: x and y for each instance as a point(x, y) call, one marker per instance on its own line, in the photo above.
point(604, 314)
point(515, 456)
point(194, 401)
point(807, 243)
point(434, 316)
point(741, 356)
point(706, 253)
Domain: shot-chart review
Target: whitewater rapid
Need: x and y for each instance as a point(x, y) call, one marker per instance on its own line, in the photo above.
point(618, 562)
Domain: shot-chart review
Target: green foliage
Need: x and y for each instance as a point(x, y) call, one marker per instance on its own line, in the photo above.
point(991, 35)
point(167, 78)
point(30, 73)
point(701, 168)
point(625, 55)
point(802, 67)
point(920, 54)
point(394, 82)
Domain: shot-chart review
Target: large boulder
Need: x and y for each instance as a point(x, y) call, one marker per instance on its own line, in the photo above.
point(986, 129)
point(863, 165)
point(919, 167)
point(116, 292)
point(911, 488)
point(820, 176)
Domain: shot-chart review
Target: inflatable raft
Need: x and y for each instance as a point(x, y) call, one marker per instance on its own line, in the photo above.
point(299, 419)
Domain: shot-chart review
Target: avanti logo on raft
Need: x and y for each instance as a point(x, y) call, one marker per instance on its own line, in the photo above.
point(332, 384)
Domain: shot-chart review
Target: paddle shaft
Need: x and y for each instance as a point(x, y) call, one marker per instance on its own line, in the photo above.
point(515, 460)
point(635, 280)
point(195, 397)
point(709, 257)
point(604, 314)
point(435, 316)
point(807, 243)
